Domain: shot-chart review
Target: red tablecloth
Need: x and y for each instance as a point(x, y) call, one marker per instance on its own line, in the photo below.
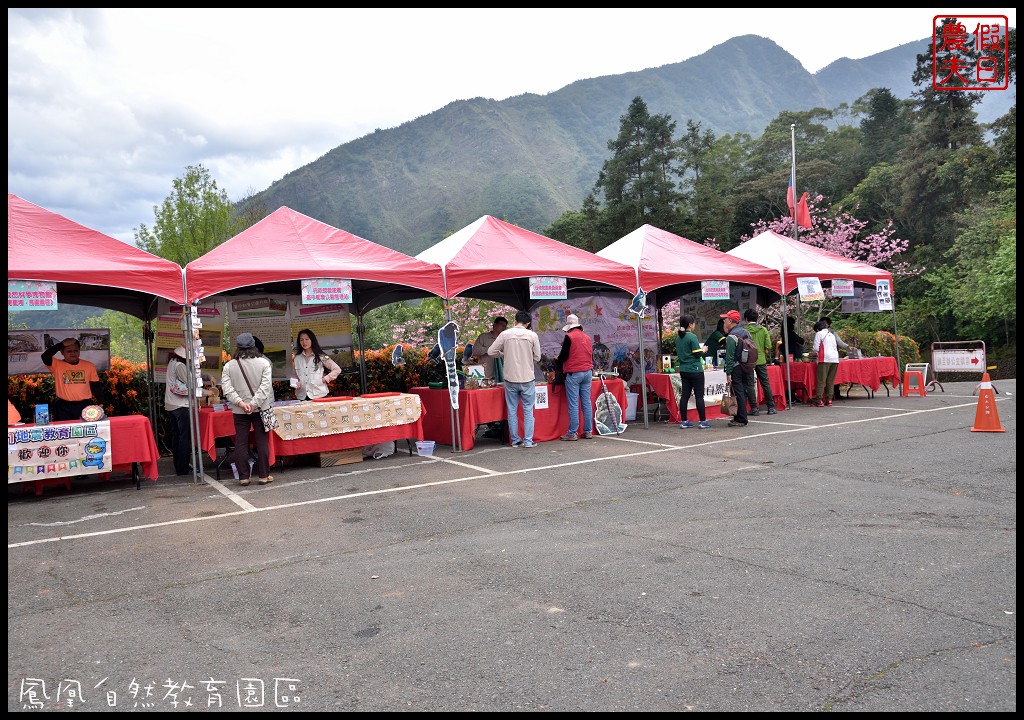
point(661, 384)
point(477, 407)
point(870, 372)
point(131, 441)
point(213, 425)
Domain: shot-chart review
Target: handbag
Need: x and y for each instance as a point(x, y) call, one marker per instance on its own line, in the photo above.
point(730, 405)
point(267, 416)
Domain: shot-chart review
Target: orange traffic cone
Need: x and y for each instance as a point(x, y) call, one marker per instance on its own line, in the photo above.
point(987, 418)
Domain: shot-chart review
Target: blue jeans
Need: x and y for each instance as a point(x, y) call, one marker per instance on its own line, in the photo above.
point(514, 392)
point(577, 392)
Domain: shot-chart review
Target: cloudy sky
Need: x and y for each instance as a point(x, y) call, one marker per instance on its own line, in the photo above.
point(106, 107)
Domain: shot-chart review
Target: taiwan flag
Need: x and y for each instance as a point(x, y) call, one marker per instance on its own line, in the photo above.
point(801, 214)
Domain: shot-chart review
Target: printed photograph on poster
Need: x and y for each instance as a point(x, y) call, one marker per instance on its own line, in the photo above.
point(863, 300)
point(605, 318)
point(25, 348)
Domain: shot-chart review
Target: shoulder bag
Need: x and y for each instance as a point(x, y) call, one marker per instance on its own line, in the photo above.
point(267, 416)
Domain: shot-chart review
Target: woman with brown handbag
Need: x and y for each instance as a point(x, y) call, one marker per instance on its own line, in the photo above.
point(247, 384)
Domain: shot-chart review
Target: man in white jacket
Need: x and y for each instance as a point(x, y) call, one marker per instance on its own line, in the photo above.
point(519, 347)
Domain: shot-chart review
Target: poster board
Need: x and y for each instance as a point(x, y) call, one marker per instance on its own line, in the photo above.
point(169, 335)
point(25, 348)
point(707, 312)
point(277, 319)
point(605, 319)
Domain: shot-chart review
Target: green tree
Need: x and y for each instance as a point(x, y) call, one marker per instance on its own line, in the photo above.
point(979, 282)
point(638, 181)
point(126, 338)
point(195, 218)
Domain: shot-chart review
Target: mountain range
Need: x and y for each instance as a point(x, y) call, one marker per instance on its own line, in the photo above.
point(530, 158)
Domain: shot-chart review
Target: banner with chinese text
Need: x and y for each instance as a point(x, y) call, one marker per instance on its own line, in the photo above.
point(51, 451)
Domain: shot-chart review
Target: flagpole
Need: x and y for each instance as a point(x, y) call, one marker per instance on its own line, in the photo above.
point(782, 279)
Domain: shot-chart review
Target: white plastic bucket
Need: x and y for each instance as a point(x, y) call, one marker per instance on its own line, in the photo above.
point(631, 405)
point(425, 448)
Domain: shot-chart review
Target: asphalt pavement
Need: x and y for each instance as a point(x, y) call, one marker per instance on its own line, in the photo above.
point(855, 558)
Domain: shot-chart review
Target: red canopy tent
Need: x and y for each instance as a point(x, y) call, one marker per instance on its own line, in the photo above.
point(663, 260)
point(90, 268)
point(286, 247)
point(490, 259)
point(791, 259)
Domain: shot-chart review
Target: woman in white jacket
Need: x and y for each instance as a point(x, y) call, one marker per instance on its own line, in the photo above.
point(310, 363)
point(247, 384)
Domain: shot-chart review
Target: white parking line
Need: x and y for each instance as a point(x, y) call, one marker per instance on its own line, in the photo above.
point(486, 475)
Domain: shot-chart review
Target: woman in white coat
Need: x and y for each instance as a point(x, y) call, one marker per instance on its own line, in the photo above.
point(310, 363)
point(247, 384)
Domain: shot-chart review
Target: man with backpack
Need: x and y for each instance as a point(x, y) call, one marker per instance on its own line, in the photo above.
point(738, 367)
point(763, 340)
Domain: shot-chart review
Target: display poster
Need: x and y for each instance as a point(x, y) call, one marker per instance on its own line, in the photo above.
point(714, 290)
point(842, 288)
point(548, 287)
point(332, 325)
point(31, 295)
point(169, 335)
point(883, 288)
point(708, 312)
point(863, 300)
point(612, 328)
point(326, 291)
point(25, 348)
point(267, 317)
point(810, 289)
point(51, 451)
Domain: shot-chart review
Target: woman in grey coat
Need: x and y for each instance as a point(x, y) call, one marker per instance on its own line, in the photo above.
point(247, 385)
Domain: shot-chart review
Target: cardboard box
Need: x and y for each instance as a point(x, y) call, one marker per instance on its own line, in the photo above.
point(341, 457)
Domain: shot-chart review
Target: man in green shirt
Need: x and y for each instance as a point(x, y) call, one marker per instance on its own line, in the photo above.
point(763, 340)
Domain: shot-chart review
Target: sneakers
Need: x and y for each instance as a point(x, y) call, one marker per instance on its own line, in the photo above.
point(569, 437)
point(243, 483)
point(815, 402)
point(587, 436)
point(773, 411)
point(737, 423)
point(517, 443)
point(704, 424)
point(267, 480)
point(527, 445)
point(686, 424)
point(828, 403)
point(755, 412)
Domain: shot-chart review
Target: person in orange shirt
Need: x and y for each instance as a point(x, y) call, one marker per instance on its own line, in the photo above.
point(76, 381)
point(13, 416)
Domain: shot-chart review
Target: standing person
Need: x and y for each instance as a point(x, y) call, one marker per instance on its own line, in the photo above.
point(738, 379)
point(714, 342)
point(310, 362)
point(492, 367)
point(75, 380)
point(691, 371)
point(763, 340)
point(519, 348)
point(577, 359)
point(795, 342)
point(828, 363)
point(247, 384)
point(840, 345)
point(176, 405)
